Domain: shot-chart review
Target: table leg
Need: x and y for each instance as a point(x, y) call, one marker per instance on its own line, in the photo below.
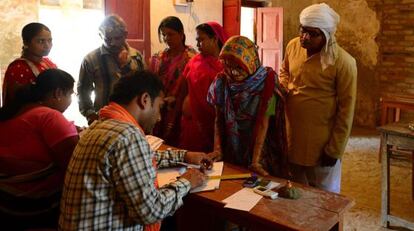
point(385, 187)
point(412, 175)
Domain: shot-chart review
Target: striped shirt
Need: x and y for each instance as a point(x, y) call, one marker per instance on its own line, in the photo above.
point(109, 183)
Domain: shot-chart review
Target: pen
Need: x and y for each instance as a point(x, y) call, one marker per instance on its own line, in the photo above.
point(189, 165)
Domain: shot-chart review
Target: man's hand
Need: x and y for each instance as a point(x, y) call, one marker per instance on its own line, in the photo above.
point(327, 161)
point(215, 155)
point(195, 176)
point(199, 158)
point(123, 58)
point(92, 117)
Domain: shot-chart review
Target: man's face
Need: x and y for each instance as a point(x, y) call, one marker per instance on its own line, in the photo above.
point(152, 113)
point(311, 38)
point(114, 40)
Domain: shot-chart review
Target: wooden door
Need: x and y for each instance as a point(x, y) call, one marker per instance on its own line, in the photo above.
point(136, 15)
point(270, 36)
point(231, 17)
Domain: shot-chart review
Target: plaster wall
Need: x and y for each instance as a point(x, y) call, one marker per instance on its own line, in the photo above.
point(199, 11)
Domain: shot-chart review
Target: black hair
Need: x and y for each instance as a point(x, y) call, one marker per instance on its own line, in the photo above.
point(173, 23)
point(136, 84)
point(46, 83)
point(31, 30)
point(204, 27)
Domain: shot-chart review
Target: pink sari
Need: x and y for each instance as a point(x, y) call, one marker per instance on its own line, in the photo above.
point(170, 69)
point(197, 121)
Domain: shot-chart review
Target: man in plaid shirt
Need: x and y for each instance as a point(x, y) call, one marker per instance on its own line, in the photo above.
point(110, 182)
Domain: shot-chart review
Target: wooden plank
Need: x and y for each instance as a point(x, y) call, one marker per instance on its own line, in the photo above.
point(401, 222)
point(315, 210)
point(403, 142)
point(400, 129)
point(385, 184)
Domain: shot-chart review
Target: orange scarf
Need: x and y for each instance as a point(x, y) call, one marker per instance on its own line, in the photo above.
point(117, 112)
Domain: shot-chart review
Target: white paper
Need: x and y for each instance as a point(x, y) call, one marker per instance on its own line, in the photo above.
point(245, 199)
point(154, 142)
point(168, 175)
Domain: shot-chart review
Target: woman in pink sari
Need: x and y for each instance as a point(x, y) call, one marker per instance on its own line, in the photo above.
point(169, 64)
point(197, 120)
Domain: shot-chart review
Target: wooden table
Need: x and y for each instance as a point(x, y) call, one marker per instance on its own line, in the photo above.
point(315, 210)
point(395, 134)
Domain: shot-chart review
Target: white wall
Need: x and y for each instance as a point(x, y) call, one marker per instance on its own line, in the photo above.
point(199, 11)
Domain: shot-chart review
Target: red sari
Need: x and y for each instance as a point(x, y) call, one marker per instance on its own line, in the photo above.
point(22, 72)
point(197, 121)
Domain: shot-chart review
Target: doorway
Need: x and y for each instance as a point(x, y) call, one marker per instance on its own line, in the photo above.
point(74, 27)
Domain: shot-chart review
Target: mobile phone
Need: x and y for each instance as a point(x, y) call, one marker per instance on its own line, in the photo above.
point(265, 192)
point(264, 183)
point(251, 182)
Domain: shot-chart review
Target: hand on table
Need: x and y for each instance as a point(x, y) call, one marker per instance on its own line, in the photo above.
point(195, 176)
point(199, 158)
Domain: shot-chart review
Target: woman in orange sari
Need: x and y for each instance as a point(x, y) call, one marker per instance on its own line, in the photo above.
point(37, 43)
point(197, 121)
point(169, 64)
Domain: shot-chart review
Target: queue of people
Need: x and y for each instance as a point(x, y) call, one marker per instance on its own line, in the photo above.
point(219, 103)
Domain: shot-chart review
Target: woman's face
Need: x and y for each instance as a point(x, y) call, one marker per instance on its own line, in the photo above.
point(205, 44)
point(41, 44)
point(234, 71)
point(172, 38)
point(65, 100)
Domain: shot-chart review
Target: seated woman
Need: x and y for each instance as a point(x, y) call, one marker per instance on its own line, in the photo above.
point(37, 42)
point(197, 121)
point(36, 143)
point(250, 126)
point(169, 64)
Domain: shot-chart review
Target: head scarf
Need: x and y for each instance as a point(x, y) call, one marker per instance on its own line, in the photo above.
point(219, 31)
point(326, 19)
point(243, 51)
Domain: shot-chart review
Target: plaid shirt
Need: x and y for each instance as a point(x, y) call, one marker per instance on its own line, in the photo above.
point(109, 182)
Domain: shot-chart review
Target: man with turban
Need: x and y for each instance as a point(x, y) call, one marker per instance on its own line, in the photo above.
point(320, 79)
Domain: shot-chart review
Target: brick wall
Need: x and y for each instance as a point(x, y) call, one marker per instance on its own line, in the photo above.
point(395, 70)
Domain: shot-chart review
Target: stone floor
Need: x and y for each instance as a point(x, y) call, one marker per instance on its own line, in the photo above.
point(361, 180)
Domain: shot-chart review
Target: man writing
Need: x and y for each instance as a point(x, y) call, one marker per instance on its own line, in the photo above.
point(111, 180)
point(320, 78)
point(102, 67)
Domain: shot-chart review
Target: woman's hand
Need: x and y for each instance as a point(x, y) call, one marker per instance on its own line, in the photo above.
point(258, 168)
